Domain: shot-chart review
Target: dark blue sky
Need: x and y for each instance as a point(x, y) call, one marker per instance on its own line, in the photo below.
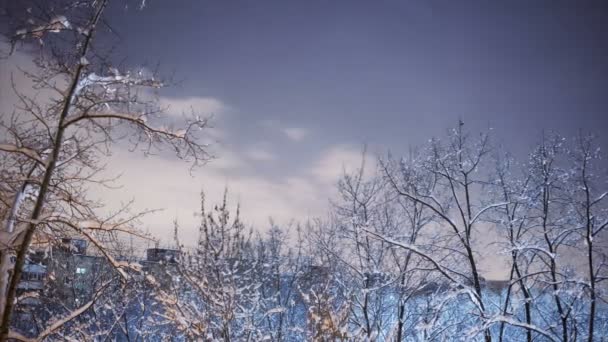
point(383, 72)
point(299, 86)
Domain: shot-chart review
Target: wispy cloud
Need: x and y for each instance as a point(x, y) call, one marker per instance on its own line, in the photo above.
point(295, 133)
point(203, 106)
point(260, 154)
point(296, 195)
point(163, 182)
point(336, 160)
point(167, 184)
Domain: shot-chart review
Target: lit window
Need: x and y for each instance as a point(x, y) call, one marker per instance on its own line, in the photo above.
point(81, 270)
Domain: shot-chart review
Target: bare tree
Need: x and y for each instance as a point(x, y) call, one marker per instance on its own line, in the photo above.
point(455, 167)
point(549, 205)
point(278, 276)
point(364, 257)
point(53, 145)
point(590, 214)
point(222, 276)
point(411, 218)
point(513, 218)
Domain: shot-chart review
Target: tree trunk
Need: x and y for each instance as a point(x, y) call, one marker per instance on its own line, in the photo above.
point(48, 173)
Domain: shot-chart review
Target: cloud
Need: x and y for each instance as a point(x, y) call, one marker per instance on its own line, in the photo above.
point(295, 133)
point(289, 195)
point(260, 154)
point(338, 159)
point(166, 183)
point(292, 133)
point(12, 68)
point(192, 105)
point(162, 182)
point(156, 183)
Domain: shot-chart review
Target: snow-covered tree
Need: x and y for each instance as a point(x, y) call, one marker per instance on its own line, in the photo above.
point(589, 215)
point(514, 220)
point(79, 105)
point(454, 200)
point(219, 297)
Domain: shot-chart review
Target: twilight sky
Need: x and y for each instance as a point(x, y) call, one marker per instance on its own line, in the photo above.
point(297, 88)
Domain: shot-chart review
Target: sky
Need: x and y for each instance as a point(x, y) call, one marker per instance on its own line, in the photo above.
point(297, 88)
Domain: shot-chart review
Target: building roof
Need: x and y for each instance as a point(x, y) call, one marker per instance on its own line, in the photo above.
point(34, 268)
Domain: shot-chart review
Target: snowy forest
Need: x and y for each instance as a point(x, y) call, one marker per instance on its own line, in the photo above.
point(398, 257)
